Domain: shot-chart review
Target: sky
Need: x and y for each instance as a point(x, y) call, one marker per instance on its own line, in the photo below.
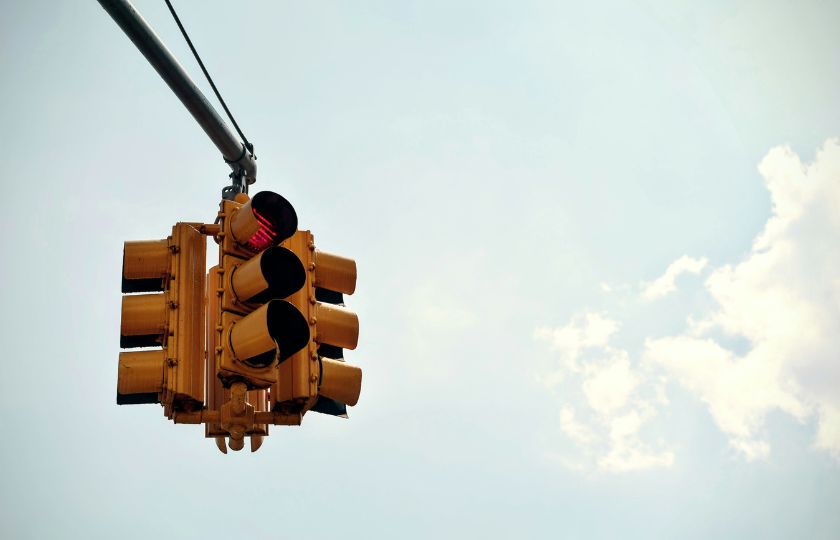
point(598, 279)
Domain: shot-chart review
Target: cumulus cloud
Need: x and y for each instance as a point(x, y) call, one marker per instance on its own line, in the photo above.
point(578, 432)
point(782, 300)
point(585, 331)
point(666, 283)
point(615, 398)
point(739, 391)
point(608, 386)
point(828, 432)
point(627, 452)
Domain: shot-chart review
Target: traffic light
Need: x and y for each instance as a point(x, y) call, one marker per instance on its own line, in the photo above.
point(217, 394)
point(255, 341)
point(324, 404)
point(166, 317)
point(257, 329)
point(316, 378)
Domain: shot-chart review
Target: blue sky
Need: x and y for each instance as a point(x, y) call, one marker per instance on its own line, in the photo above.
point(597, 285)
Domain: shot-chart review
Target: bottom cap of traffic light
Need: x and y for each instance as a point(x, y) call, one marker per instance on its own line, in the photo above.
point(275, 330)
point(140, 377)
point(340, 381)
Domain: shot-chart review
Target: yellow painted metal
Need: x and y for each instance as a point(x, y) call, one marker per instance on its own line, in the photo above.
point(248, 283)
point(229, 267)
point(145, 259)
point(184, 376)
point(144, 315)
point(172, 319)
point(237, 416)
point(256, 442)
point(296, 382)
point(228, 365)
point(259, 399)
point(247, 279)
point(335, 272)
point(140, 372)
point(336, 325)
point(340, 381)
point(230, 368)
point(244, 326)
point(296, 389)
point(243, 224)
point(249, 337)
point(228, 244)
point(221, 444)
point(305, 376)
point(145, 266)
point(215, 393)
point(144, 322)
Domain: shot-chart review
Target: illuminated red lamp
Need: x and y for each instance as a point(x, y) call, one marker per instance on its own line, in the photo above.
point(264, 221)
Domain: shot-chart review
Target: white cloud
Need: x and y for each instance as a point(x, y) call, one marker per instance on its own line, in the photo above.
point(627, 452)
point(666, 283)
point(578, 432)
point(751, 449)
point(608, 387)
point(782, 301)
point(585, 331)
point(828, 432)
point(612, 407)
point(784, 298)
point(739, 391)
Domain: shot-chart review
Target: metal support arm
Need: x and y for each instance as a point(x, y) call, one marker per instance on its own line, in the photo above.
point(240, 159)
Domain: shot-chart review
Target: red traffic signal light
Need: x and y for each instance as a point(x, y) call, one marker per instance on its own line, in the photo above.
point(265, 329)
point(258, 329)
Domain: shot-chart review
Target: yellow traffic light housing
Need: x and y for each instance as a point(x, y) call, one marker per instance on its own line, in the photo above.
point(174, 269)
point(217, 394)
point(257, 329)
point(316, 373)
point(256, 340)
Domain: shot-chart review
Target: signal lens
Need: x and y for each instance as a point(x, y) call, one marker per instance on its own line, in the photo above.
point(265, 220)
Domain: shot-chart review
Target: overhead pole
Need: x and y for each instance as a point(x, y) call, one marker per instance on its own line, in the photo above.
point(241, 159)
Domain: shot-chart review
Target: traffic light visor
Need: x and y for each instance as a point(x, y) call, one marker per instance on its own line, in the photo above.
point(274, 273)
point(340, 381)
point(265, 220)
point(140, 377)
point(335, 272)
point(144, 320)
point(145, 266)
point(336, 326)
point(276, 330)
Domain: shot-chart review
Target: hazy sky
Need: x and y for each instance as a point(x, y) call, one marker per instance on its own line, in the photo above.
point(598, 271)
